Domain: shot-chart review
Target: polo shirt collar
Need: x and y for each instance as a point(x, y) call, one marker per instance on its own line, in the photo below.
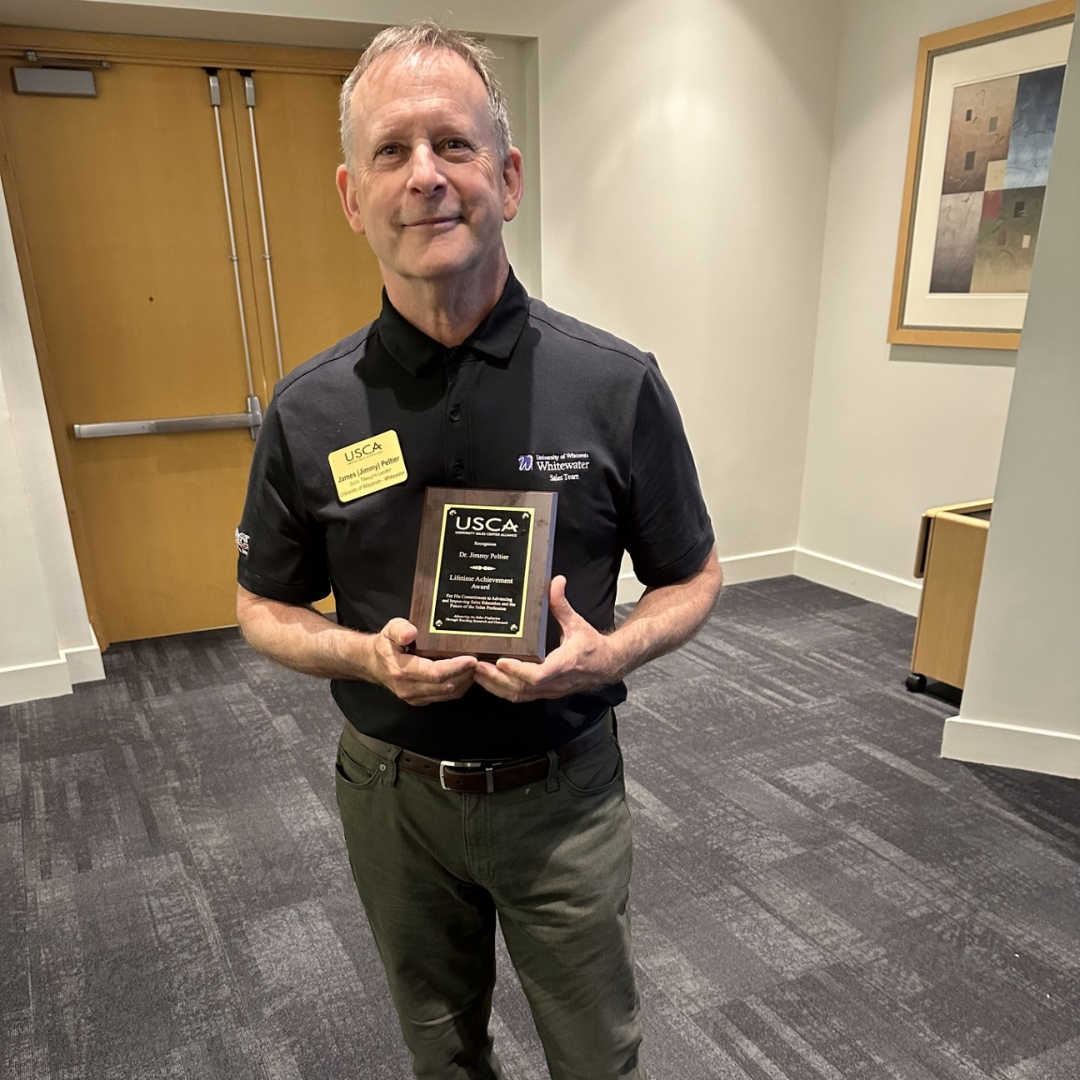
point(494, 339)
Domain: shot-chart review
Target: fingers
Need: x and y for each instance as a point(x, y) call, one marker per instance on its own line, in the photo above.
point(430, 693)
point(420, 681)
point(517, 681)
point(557, 676)
point(401, 632)
point(415, 679)
point(450, 669)
point(581, 662)
point(500, 683)
point(421, 685)
point(557, 591)
point(529, 674)
point(559, 606)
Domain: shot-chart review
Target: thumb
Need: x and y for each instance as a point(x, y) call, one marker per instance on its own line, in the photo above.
point(559, 605)
point(401, 632)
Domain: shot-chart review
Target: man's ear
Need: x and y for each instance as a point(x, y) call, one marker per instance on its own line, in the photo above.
point(513, 182)
point(349, 203)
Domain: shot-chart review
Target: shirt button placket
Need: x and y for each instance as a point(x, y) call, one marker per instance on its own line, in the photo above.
point(459, 374)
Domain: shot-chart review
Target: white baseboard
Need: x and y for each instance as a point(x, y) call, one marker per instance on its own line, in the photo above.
point(739, 569)
point(848, 577)
point(51, 678)
point(859, 581)
point(1009, 746)
point(84, 663)
point(28, 682)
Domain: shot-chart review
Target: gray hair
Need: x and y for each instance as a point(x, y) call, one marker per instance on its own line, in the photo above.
point(425, 34)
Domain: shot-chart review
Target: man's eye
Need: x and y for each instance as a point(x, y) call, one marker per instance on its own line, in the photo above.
point(455, 144)
point(387, 151)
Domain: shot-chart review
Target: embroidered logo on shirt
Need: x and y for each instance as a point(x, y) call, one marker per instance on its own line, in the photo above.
point(243, 542)
point(368, 466)
point(569, 465)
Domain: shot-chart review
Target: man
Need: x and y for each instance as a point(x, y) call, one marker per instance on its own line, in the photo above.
point(474, 382)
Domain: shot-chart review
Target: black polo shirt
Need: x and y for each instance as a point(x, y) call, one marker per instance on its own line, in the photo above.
point(533, 400)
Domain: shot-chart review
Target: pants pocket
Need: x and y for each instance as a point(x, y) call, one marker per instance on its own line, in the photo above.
point(595, 772)
point(356, 766)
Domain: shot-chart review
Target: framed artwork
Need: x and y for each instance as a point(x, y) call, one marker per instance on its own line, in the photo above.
point(982, 135)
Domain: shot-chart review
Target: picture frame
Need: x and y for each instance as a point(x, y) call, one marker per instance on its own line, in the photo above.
point(978, 157)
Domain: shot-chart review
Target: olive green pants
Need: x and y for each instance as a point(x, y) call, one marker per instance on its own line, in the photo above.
point(551, 860)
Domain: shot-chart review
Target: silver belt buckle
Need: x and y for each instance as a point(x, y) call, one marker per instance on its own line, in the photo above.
point(444, 765)
point(489, 772)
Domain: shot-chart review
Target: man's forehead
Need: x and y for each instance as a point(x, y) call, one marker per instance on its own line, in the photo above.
point(438, 71)
point(419, 61)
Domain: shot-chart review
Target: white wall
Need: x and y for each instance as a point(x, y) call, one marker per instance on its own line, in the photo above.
point(683, 175)
point(685, 162)
point(889, 437)
point(1021, 702)
point(46, 642)
point(30, 655)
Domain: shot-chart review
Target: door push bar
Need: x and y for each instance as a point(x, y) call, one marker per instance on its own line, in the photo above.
point(173, 425)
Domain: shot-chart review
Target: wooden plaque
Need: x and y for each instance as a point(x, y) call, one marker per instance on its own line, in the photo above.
point(482, 573)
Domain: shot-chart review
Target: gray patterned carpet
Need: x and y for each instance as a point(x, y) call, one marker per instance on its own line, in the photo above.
point(817, 896)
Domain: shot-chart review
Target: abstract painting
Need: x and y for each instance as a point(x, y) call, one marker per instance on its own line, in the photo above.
point(997, 160)
point(985, 113)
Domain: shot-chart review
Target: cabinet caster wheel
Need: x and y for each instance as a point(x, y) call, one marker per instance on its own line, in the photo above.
point(915, 683)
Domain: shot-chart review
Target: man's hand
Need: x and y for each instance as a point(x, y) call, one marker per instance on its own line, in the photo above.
point(412, 678)
point(302, 639)
point(584, 660)
point(664, 618)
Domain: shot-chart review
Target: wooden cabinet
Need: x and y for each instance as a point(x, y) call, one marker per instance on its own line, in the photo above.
point(952, 544)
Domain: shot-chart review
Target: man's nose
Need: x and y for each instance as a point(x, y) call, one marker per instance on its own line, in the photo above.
point(426, 176)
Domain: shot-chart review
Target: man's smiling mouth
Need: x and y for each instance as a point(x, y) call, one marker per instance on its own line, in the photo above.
point(451, 219)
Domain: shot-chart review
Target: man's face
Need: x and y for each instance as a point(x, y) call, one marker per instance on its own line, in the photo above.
point(426, 185)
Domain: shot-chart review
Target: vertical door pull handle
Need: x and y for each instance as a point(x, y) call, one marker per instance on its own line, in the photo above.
point(249, 100)
point(215, 103)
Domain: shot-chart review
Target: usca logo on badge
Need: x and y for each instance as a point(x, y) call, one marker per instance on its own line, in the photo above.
point(362, 450)
point(525, 463)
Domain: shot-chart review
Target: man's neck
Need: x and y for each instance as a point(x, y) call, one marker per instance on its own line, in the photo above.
point(448, 310)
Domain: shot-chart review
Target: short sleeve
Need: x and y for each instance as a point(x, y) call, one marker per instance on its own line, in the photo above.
point(669, 534)
point(282, 547)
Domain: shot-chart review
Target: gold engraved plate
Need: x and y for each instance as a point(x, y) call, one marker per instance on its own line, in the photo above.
point(368, 466)
point(482, 570)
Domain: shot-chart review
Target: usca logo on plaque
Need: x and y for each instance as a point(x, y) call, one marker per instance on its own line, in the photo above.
point(475, 523)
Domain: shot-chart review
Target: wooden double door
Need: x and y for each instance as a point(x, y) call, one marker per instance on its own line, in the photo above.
point(181, 246)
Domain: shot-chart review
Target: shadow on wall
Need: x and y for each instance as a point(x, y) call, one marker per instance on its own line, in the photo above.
point(940, 354)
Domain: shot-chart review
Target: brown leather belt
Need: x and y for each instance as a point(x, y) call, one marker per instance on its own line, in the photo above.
point(478, 778)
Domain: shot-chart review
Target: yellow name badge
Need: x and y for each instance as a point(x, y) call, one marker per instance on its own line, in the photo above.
point(368, 466)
